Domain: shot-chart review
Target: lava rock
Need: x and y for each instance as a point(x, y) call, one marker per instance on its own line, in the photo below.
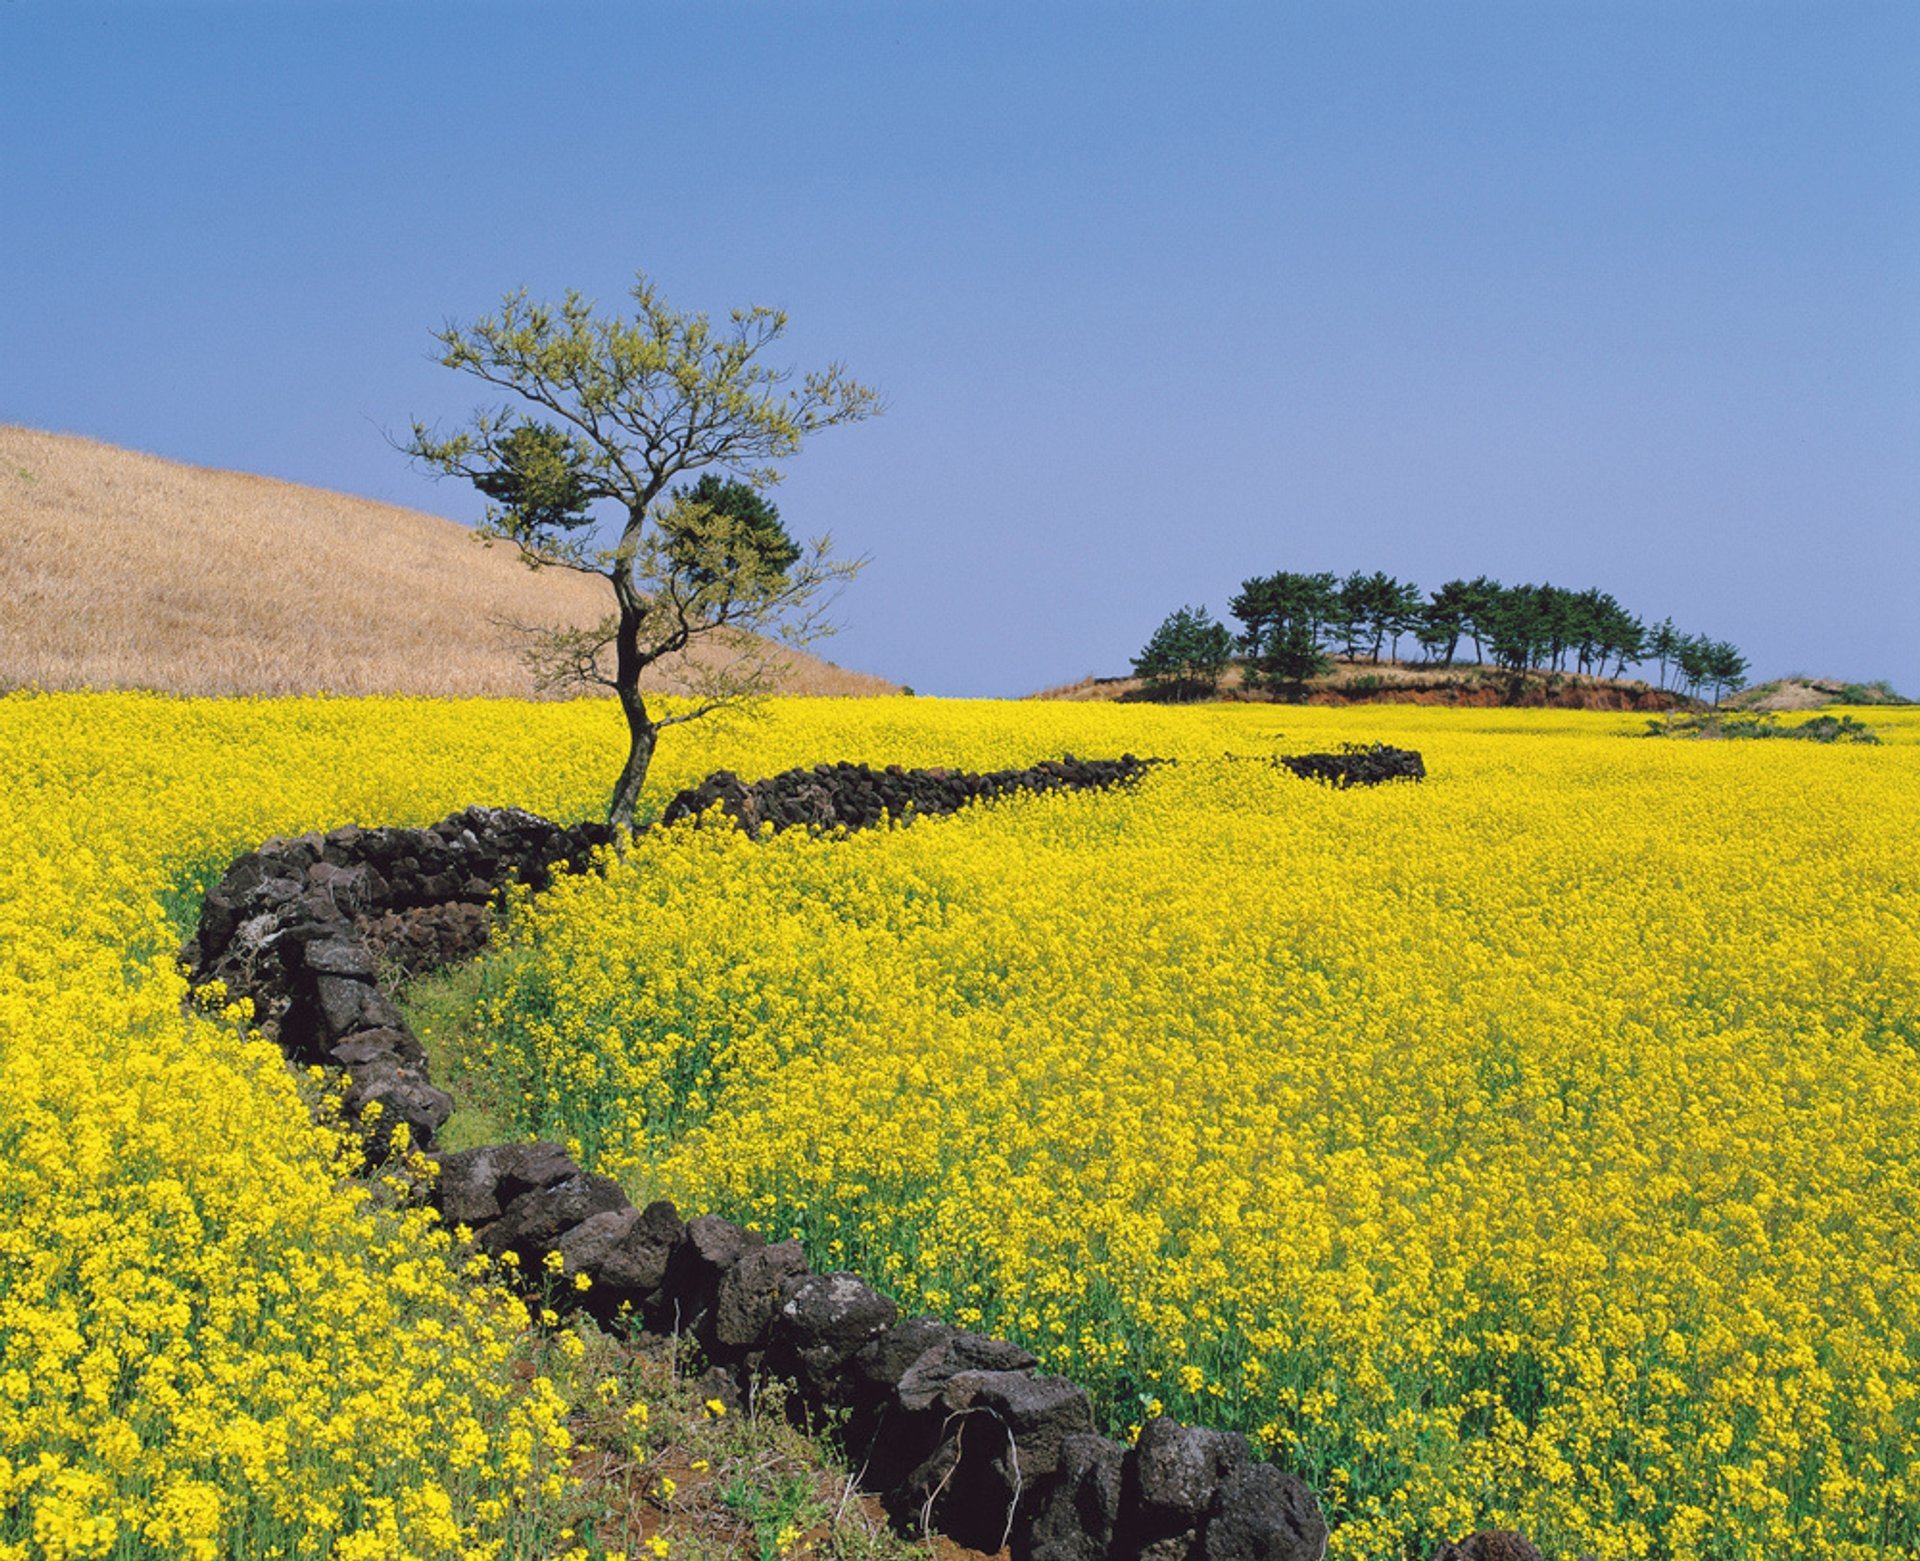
point(1174, 1474)
point(475, 1186)
point(350, 890)
point(625, 1253)
point(924, 1383)
point(368, 1046)
point(1075, 1517)
point(343, 1005)
point(1039, 1414)
point(338, 956)
point(1262, 1513)
point(534, 1222)
point(712, 1246)
point(403, 1095)
point(828, 797)
point(748, 1296)
point(1358, 765)
point(1493, 1544)
point(822, 1320)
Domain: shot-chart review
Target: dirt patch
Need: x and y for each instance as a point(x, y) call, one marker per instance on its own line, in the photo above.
point(1403, 683)
point(1592, 696)
point(655, 1459)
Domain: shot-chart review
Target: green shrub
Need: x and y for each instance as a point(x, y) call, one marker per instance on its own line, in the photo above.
point(1740, 724)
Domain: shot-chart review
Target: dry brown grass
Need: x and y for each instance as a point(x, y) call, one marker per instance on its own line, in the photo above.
point(1393, 682)
point(121, 570)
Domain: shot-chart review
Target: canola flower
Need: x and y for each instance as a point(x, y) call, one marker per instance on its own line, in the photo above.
point(1537, 1146)
point(210, 1344)
point(1534, 1147)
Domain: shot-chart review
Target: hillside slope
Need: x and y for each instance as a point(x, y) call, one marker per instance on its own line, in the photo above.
point(122, 570)
point(1392, 682)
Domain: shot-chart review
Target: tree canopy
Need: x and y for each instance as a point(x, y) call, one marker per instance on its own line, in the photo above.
point(609, 410)
point(1186, 654)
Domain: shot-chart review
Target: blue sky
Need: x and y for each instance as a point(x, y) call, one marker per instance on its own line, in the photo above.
point(1160, 296)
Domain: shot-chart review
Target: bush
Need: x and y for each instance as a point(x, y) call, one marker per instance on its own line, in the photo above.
point(1820, 729)
point(1879, 692)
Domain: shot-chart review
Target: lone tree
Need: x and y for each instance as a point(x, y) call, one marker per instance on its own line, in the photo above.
point(610, 412)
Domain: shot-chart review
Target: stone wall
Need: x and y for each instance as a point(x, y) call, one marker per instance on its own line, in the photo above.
point(960, 1434)
point(1357, 764)
point(855, 796)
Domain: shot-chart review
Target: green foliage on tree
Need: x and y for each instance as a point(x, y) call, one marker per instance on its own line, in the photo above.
point(610, 410)
point(1186, 655)
point(1289, 658)
point(1282, 617)
point(754, 542)
point(1709, 664)
point(538, 478)
point(1443, 619)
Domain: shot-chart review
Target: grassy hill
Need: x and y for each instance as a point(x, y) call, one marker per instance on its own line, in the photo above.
point(1390, 682)
point(122, 570)
point(1810, 693)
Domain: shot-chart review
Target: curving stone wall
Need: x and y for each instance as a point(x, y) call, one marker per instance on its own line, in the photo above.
point(296, 925)
point(959, 1433)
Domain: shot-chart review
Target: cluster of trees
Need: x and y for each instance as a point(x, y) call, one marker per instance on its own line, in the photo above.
point(1291, 626)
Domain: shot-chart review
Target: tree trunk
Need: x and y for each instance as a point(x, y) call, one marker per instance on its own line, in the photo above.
point(642, 734)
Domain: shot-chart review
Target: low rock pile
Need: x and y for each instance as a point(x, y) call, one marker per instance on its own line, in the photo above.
point(856, 796)
point(1358, 765)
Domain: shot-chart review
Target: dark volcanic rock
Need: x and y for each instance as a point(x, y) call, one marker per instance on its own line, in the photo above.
point(1493, 1544)
point(1075, 1518)
point(338, 956)
point(822, 1320)
point(1173, 1476)
point(366, 1046)
point(475, 1185)
point(413, 942)
point(748, 1295)
point(345, 1004)
point(1039, 1414)
point(403, 1094)
point(855, 796)
point(625, 1253)
point(1262, 1513)
point(1358, 765)
point(711, 1247)
point(875, 1369)
point(534, 1222)
point(924, 1383)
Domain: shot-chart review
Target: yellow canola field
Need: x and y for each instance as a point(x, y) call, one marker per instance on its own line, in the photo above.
point(208, 1345)
point(1691, 1128)
point(1538, 1146)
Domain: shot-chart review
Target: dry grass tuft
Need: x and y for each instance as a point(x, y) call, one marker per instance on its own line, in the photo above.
point(120, 570)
